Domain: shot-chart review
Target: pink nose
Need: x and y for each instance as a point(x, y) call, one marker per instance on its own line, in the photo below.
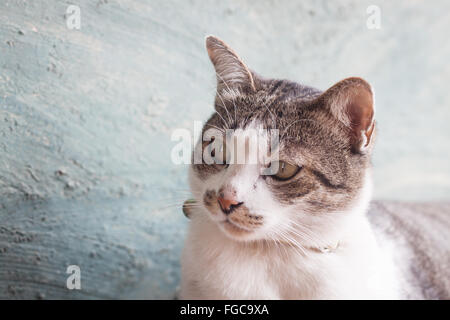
point(227, 199)
point(227, 204)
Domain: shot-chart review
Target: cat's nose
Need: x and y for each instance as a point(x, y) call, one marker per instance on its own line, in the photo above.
point(227, 204)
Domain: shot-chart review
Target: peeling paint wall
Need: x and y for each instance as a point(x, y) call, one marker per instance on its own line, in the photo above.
point(86, 117)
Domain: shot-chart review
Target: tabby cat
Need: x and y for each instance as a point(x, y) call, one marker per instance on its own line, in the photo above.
point(301, 232)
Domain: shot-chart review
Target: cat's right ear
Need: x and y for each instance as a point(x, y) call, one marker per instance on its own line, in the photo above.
point(231, 72)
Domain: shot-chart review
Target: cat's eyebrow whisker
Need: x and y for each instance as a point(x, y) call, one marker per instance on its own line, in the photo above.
point(229, 118)
point(213, 126)
point(273, 116)
point(227, 124)
point(225, 107)
point(224, 122)
point(230, 90)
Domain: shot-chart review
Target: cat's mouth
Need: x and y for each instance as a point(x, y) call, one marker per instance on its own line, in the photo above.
point(236, 220)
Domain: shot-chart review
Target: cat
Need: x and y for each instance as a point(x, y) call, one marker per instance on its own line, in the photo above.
point(302, 231)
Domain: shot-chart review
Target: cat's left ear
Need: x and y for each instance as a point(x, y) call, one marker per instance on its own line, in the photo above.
point(351, 101)
point(231, 72)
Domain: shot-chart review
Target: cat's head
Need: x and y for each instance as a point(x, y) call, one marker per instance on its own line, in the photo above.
point(325, 142)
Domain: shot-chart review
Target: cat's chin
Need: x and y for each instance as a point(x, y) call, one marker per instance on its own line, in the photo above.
point(236, 232)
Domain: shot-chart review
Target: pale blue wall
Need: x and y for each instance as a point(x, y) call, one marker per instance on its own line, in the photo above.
point(86, 117)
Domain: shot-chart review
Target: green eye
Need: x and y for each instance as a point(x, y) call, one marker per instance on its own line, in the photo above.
point(286, 170)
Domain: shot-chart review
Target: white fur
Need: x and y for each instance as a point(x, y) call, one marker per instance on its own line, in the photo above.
point(216, 266)
point(230, 94)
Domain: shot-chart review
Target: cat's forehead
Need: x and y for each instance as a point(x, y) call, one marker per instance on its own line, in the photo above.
point(285, 106)
point(277, 104)
point(273, 94)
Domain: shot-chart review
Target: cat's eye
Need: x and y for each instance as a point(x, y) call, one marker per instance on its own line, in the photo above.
point(285, 170)
point(220, 157)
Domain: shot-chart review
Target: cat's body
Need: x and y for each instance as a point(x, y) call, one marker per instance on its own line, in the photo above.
point(417, 237)
point(300, 232)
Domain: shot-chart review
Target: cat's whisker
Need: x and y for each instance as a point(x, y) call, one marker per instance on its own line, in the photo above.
point(171, 207)
point(294, 246)
point(291, 230)
point(303, 235)
point(235, 107)
point(213, 126)
point(307, 232)
point(175, 198)
point(225, 107)
point(291, 241)
point(273, 115)
point(296, 230)
point(170, 189)
point(278, 244)
point(192, 205)
point(224, 122)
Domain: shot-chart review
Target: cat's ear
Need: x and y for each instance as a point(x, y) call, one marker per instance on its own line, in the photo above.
point(351, 101)
point(231, 72)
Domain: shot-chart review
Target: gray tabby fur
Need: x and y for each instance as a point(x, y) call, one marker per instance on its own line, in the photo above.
point(418, 234)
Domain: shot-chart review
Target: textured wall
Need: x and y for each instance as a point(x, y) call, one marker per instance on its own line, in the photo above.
point(86, 117)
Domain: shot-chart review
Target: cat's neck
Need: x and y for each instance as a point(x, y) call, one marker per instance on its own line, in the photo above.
point(351, 233)
point(345, 227)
